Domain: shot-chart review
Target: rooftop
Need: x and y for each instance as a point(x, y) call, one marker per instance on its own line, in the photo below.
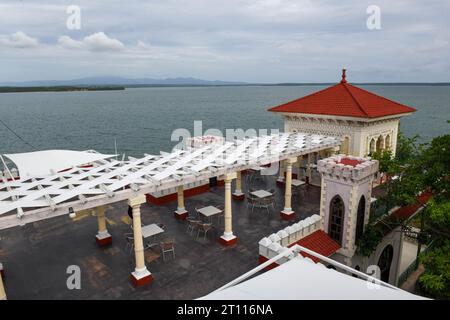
point(36, 256)
point(344, 99)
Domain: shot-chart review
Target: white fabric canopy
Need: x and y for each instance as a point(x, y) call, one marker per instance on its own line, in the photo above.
point(31, 164)
point(302, 279)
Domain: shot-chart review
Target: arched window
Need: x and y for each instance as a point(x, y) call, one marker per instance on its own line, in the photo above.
point(384, 262)
point(361, 213)
point(387, 142)
point(380, 143)
point(372, 146)
point(336, 219)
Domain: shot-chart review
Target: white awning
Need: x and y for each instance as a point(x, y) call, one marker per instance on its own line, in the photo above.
point(32, 164)
point(302, 279)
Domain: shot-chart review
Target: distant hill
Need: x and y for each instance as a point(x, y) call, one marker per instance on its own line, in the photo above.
point(119, 81)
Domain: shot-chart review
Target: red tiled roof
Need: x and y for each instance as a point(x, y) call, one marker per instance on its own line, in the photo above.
point(408, 211)
point(320, 242)
point(344, 99)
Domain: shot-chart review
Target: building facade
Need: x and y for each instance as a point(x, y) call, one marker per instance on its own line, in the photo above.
point(365, 121)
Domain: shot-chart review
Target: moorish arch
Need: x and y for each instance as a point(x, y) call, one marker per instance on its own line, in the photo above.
point(336, 220)
point(385, 261)
point(360, 217)
point(380, 144)
point(387, 142)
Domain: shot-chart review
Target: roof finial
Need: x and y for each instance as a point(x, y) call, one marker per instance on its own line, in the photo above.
point(343, 77)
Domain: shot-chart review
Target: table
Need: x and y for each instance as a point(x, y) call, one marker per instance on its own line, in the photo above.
point(261, 193)
point(297, 183)
point(209, 211)
point(151, 230)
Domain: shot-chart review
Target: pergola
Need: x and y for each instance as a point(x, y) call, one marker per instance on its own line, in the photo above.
point(106, 180)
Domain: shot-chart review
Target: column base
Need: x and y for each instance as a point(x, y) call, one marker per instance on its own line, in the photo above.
point(103, 239)
point(2, 271)
point(180, 214)
point(280, 182)
point(238, 196)
point(287, 214)
point(141, 278)
point(227, 241)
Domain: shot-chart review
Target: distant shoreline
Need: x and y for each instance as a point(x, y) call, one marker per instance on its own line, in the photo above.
point(19, 89)
point(59, 89)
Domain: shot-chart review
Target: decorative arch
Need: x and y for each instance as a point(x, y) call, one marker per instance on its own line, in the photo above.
point(360, 217)
point(336, 219)
point(372, 146)
point(387, 142)
point(380, 144)
point(385, 261)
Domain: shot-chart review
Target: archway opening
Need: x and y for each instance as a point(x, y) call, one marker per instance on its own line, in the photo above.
point(360, 216)
point(385, 261)
point(336, 219)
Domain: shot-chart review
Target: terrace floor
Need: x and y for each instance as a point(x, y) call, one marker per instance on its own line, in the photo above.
point(36, 256)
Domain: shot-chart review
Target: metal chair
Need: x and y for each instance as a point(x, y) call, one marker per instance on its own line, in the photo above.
point(192, 224)
point(129, 238)
point(166, 247)
point(251, 201)
point(204, 227)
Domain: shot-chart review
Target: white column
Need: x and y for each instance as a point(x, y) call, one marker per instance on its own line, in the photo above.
point(140, 275)
point(281, 172)
point(228, 238)
point(181, 212)
point(238, 194)
point(103, 237)
point(287, 212)
point(2, 288)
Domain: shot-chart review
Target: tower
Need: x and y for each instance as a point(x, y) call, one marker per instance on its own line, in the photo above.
point(345, 199)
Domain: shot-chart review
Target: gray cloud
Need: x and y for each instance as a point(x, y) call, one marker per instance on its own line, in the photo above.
point(248, 40)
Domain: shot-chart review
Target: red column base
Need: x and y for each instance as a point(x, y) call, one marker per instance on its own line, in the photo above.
point(286, 216)
point(180, 216)
point(103, 241)
point(227, 243)
point(238, 197)
point(142, 281)
point(2, 273)
point(280, 183)
point(263, 259)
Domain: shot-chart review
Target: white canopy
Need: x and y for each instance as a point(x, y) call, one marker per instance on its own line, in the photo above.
point(107, 181)
point(302, 279)
point(31, 164)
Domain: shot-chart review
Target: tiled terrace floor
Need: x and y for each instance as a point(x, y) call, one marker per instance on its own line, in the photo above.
point(36, 256)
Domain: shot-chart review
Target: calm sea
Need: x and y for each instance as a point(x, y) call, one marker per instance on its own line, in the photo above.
point(142, 119)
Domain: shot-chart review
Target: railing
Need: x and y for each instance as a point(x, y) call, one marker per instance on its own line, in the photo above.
point(411, 268)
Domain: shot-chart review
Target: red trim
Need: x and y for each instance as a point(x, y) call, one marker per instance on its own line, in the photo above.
point(263, 259)
point(228, 243)
point(287, 217)
point(238, 197)
point(2, 273)
point(173, 196)
point(182, 216)
point(141, 282)
point(104, 242)
point(220, 183)
point(280, 183)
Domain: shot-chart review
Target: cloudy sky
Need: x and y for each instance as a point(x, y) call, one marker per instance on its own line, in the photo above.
point(234, 40)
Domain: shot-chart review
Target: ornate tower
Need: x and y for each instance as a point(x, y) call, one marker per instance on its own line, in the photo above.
point(345, 199)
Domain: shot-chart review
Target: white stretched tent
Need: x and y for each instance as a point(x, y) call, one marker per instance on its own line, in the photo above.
point(46, 162)
point(302, 279)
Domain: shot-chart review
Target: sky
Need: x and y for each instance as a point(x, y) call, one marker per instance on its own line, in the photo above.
point(264, 41)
